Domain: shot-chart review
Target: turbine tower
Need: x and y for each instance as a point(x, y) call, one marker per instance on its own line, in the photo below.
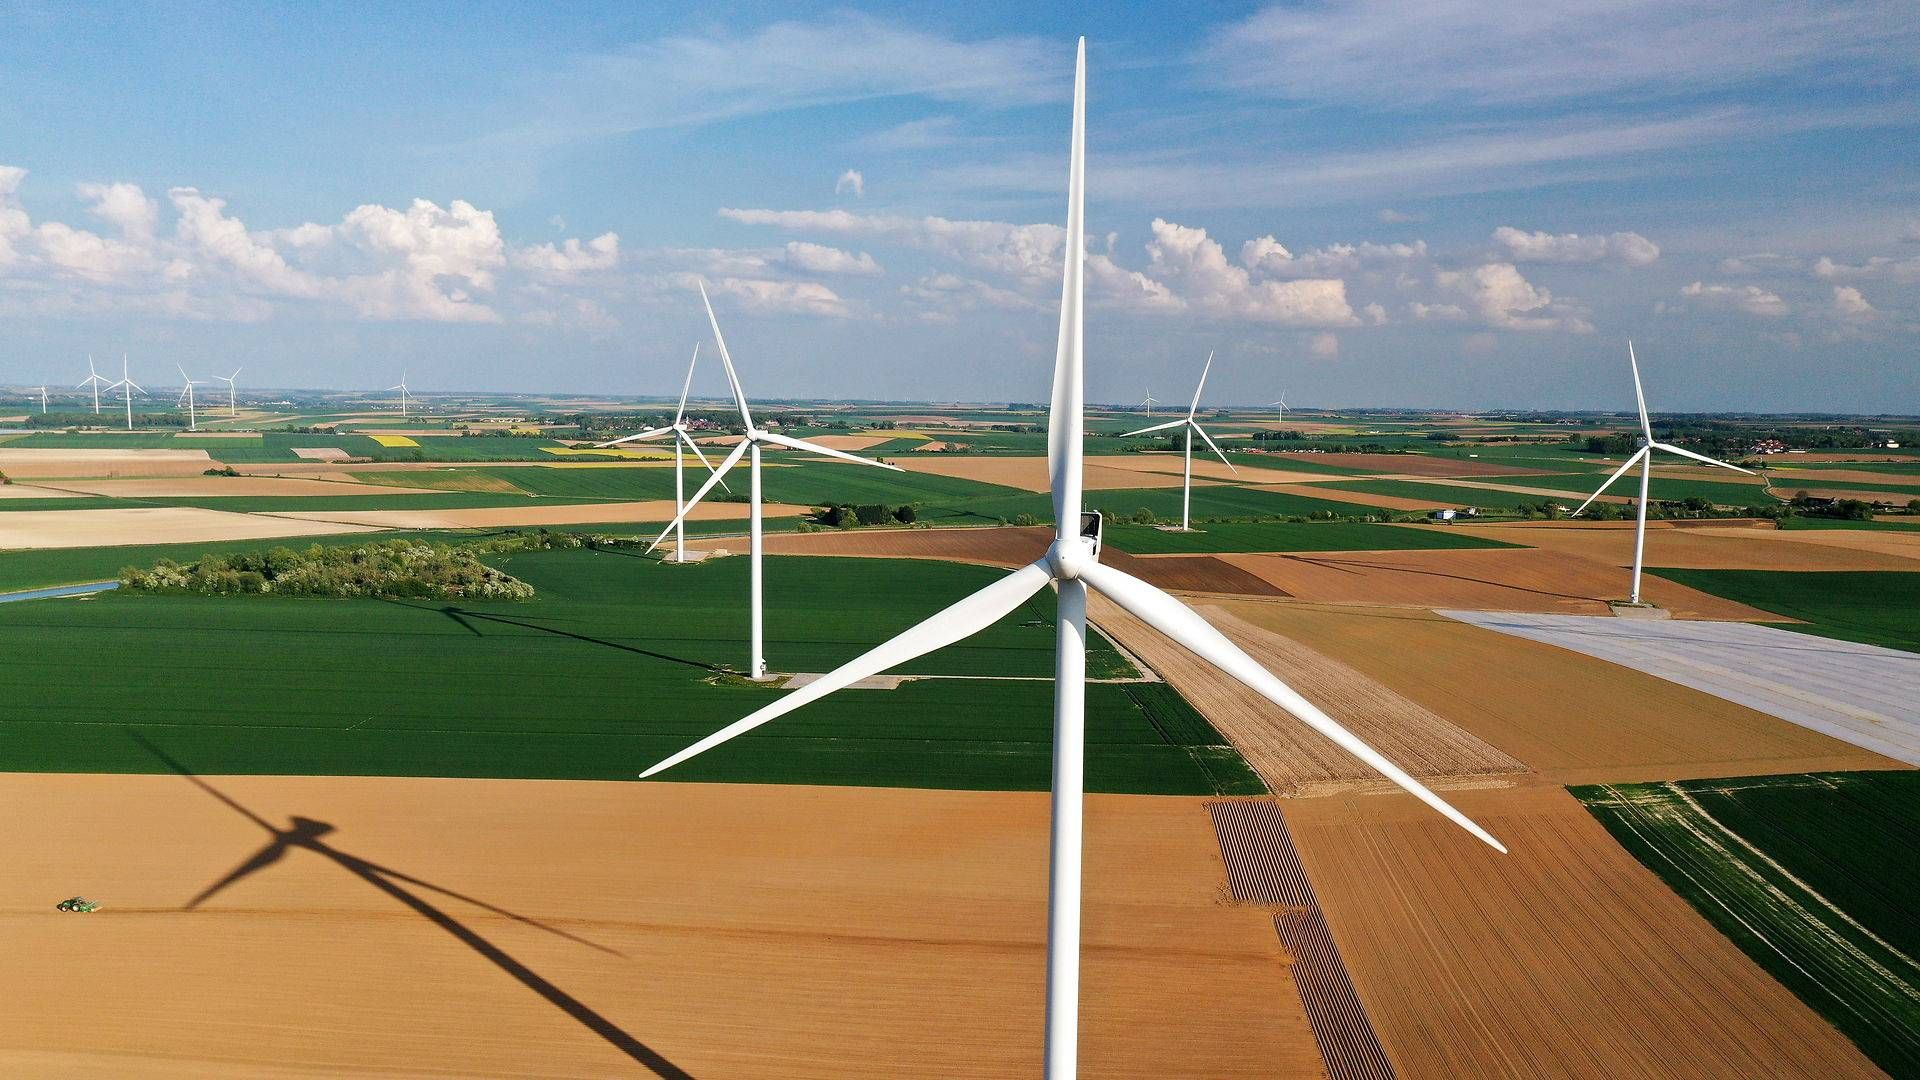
point(1190, 428)
point(1149, 402)
point(682, 442)
point(95, 380)
point(1072, 564)
point(228, 379)
point(751, 443)
point(1282, 403)
point(127, 386)
point(1643, 457)
point(186, 394)
point(400, 386)
point(43, 401)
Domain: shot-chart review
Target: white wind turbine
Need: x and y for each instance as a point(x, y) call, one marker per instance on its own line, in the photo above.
point(1281, 401)
point(232, 410)
point(1149, 401)
point(1071, 564)
point(127, 386)
point(400, 386)
point(43, 401)
point(755, 438)
point(682, 442)
point(1643, 457)
point(1191, 427)
point(95, 380)
point(186, 395)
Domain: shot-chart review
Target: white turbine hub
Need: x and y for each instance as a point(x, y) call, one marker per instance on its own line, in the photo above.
point(1070, 556)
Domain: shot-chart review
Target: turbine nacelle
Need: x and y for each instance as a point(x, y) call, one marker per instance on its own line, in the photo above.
point(1070, 556)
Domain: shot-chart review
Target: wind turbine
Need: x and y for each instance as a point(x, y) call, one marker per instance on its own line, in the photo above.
point(1072, 564)
point(1191, 427)
point(1149, 402)
point(43, 401)
point(1282, 402)
point(682, 442)
point(1643, 457)
point(751, 443)
point(186, 394)
point(228, 379)
point(127, 386)
point(400, 386)
point(95, 380)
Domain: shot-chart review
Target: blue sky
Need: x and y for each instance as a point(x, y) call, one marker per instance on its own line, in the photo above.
point(1444, 204)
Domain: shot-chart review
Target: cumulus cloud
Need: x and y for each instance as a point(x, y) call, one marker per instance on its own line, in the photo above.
point(783, 297)
point(1849, 304)
point(852, 183)
point(1629, 248)
point(125, 207)
point(1188, 256)
point(571, 257)
point(821, 259)
point(1500, 296)
point(1751, 299)
point(1879, 266)
point(1023, 251)
point(1269, 256)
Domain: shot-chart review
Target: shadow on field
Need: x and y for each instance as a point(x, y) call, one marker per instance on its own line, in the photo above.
point(463, 615)
point(308, 834)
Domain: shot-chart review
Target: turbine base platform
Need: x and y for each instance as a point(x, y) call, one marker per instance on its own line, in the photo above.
point(1624, 610)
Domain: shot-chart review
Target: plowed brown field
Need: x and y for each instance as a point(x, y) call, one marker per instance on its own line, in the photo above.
point(149, 525)
point(1574, 718)
point(632, 930)
point(1502, 579)
point(1287, 754)
point(1566, 958)
point(1422, 465)
point(1710, 548)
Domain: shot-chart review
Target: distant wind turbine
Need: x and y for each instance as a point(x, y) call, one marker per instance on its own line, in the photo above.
point(1643, 457)
point(43, 401)
point(755, 438)
point(186, 394)
point(232, 410)
point(1071, 564)
point(95, 380)
point(126, 386)
point(1149, 402)
point(402, 387)
point(682, 442)
point(1190, 428)
point(1281, 401)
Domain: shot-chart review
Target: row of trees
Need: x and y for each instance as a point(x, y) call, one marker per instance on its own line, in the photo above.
point(849, 515)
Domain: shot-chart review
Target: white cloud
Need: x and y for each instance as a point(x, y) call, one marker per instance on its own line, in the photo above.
point(783, 297)
point(1269, 256)
point(570, 258)
point(1442, 312)
point(1502, 297)
point(1390, 216)
point(1326, 346)
point(852, 183)
point(1207, 280)
point(1023, 251)
point(1879, 266)
point(1629, 248)
point(1849, 304)
point(821, 259)
point(1751, 299)
point(944, 294)
point(124, 206)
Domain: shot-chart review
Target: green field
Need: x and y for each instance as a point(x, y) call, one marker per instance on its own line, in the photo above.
point(615, 664)
point(1813, 876)
point(1288, 536)
point(1876, 607)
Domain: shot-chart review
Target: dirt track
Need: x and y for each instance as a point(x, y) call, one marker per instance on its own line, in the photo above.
point(1493, 579)
point(713, 931)
point(1290, 756)
point(1566, 958)
point(1573, 718)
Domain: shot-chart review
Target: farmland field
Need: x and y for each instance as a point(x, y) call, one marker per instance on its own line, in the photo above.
point(614, 665)
point(1876, 607)
point(1813, 876)
point(1288, 536)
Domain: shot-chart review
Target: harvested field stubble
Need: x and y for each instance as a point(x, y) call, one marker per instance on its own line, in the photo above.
point(1565, 958)
point(740, 898)
point(1572, 717)
point(149, 525)
point(1286, 753)
point(1716, 547)
point(1510, 579)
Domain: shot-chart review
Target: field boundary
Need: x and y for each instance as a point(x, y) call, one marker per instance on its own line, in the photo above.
point(1264, 869)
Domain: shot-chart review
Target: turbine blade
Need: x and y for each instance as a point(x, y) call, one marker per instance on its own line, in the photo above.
point(726, 463)
point(726, 361)
point(1215, 446)
point(1065, 422)
point(1672, 449)
point(1639, 397)
point(1617, 474)
point(1177, 621)
point(1156, 427)
point(954, 623)
point(816, 448)
point(650, 433)
point(695, 447)
point(1195, 407)
point(686, 387)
